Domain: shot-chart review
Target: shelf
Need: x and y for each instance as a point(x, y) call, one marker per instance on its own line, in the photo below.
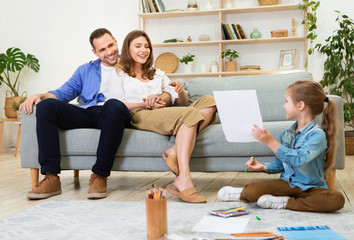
point(238, 73)
point(238, 41)
point(270, 8)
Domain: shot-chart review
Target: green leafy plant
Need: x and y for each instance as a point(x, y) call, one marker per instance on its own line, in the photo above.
point(339, 65)
point(14, 60)
point(16, 106)
point(310, 7)
point(187, 58)
point(229, 54)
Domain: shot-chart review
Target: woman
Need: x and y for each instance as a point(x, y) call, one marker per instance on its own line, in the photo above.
point(147, 90)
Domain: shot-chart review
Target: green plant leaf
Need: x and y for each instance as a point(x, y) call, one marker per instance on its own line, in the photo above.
point(15, 59)
point(32, 62)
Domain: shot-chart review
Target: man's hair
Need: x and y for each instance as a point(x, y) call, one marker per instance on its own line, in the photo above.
point(99, 33)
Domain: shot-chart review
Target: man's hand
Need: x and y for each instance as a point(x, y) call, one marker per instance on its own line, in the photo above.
point(159, 104)
point(27, 105)
point(177, 85)
point(253, 165)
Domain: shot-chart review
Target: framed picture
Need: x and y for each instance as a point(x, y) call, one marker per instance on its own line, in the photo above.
point(287, 59)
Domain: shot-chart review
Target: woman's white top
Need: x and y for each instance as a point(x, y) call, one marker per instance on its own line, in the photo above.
point(135, 90)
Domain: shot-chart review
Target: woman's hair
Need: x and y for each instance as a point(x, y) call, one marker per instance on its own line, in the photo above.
point(312, 94)
point(126, 62)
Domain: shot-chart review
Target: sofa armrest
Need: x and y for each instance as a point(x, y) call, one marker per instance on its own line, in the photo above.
point(340, 154)
point(29, 145)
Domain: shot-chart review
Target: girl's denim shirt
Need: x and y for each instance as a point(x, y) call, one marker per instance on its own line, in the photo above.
point(301, 157)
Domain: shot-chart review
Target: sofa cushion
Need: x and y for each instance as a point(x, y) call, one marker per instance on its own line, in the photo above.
point(269, 88)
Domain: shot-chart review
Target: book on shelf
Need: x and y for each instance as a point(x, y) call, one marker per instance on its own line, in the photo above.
point(173, 40)
point(161, 5)
point(234, 27)
point(143, 6)
point(151, 6)
point(155, 5)
point(229, 31)
point(250, 68)
point(226, 33)
point(240, 30)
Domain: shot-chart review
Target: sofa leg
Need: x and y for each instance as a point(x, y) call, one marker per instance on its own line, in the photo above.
point(76, 173)
point(331, 181)
point(34, 177)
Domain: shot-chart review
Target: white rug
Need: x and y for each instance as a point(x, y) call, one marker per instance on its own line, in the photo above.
point(126, 220)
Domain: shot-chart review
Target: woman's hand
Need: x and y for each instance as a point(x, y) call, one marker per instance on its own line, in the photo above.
point(253, 165)
point(151, 100)
point(177, 85)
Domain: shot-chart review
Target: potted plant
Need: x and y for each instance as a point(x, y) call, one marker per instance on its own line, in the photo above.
point(339, 71)
point(310, 22)
point(188, 61)
point(11, 64)
point(16, 107)
point(230, 55)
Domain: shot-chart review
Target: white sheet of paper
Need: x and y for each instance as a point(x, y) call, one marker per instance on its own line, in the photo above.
point(221, 225)
point(238, 111)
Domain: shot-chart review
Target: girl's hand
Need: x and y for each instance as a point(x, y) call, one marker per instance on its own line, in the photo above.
point(177, 85)
point(253, 165)
point(151, 100)
point(262, 135)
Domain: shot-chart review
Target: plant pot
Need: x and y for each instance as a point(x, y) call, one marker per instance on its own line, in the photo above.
point(188, 68)
point(230, 66)
point(18, 115)
point(349, 142)
point(9, 110)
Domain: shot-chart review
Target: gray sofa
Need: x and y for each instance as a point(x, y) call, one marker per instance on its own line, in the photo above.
point(141, 150)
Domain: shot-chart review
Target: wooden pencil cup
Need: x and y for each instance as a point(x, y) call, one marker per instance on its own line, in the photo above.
point(156, 218)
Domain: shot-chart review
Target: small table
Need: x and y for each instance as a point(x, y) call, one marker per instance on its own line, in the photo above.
point(2, 120)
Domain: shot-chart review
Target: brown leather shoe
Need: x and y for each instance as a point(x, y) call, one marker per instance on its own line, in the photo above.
point(189, 195)
point(48, 187)
point(98, 187)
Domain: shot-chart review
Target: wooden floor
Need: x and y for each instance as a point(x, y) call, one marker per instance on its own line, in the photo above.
point(131, 186)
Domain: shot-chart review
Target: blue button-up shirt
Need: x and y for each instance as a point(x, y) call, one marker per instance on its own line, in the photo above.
point(301, 157)
point(85, 82)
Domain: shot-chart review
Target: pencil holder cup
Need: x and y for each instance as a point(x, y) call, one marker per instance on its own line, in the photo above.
point(156, 218)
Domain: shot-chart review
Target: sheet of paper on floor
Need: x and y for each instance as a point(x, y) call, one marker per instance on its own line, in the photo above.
point(221, 225)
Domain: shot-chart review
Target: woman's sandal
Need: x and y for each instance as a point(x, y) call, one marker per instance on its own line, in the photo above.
point(189, 195)
point(172, 163)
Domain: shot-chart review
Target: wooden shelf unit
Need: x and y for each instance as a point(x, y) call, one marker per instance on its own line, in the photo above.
point(222, 12)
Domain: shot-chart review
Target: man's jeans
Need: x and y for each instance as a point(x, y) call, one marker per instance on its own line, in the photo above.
point(53, 115)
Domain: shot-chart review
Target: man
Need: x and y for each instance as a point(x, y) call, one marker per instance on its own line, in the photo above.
point(98, 90)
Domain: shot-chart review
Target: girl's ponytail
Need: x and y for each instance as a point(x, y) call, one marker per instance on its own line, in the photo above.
point(329, 125)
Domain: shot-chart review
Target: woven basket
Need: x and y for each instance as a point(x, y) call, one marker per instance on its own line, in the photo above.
point(349, 145)
point(167, 62)
point(267, 2)
point(9, 110)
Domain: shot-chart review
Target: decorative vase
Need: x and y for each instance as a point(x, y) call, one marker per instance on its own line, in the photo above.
point(255, 34)
point(230, 66)
point(209, 6)
point(188, 68)
point(192, 5)
point(214, 66)
point(229, 4)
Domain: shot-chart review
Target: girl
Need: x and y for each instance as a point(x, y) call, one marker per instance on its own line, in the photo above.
point(145, 90)
point(304, 157)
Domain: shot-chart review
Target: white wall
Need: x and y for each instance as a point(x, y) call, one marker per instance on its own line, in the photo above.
point(57, 32)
